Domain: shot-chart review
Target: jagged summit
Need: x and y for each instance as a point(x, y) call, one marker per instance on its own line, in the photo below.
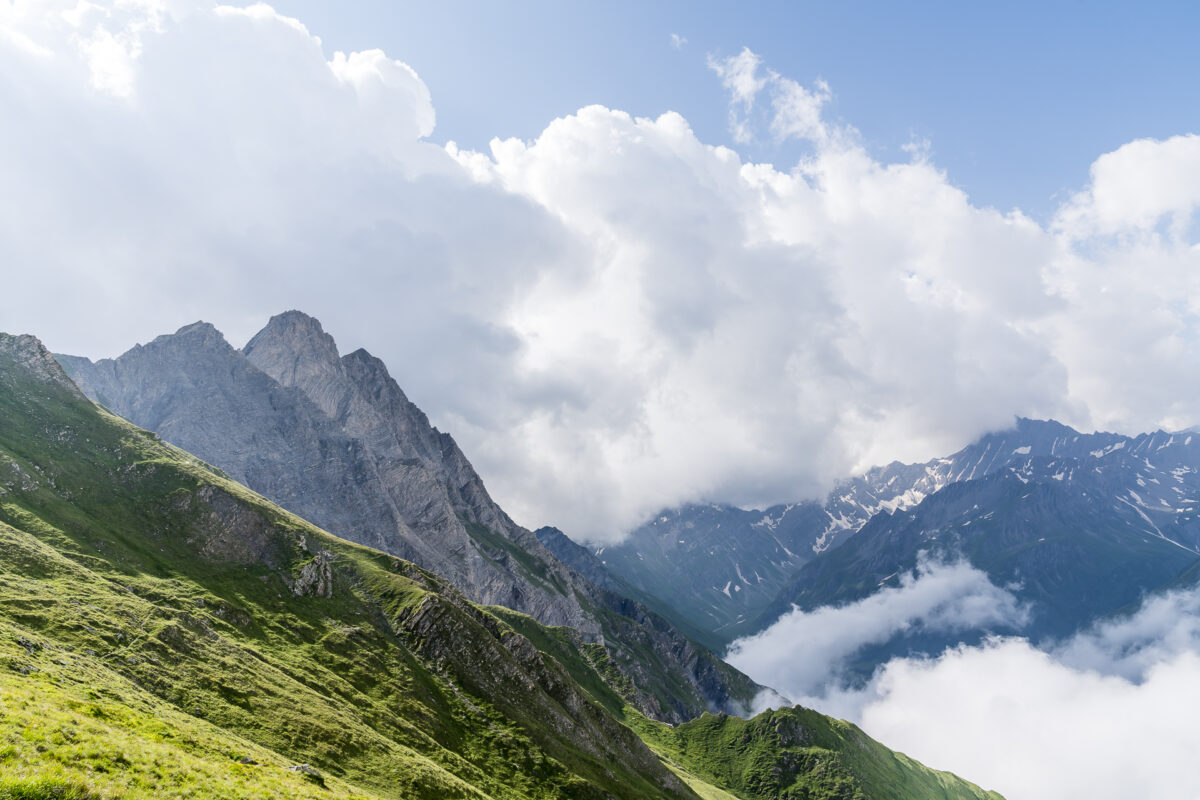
point(296, 346)
point(198, 335)
point(294, 326)
point(360, 395)
point(294, 318)
point(197, 331)
point(199, 339)
point(29, 352)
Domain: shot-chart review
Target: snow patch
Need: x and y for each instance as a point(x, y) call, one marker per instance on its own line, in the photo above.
point(1112, 448)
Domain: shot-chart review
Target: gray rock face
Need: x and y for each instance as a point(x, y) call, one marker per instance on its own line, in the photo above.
point(420, 474)
point(335, 440)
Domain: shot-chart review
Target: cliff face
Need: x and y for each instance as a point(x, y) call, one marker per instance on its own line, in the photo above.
point(335, 440)
point(432, 493)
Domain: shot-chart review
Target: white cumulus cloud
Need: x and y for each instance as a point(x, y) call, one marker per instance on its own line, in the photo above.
point(1107, 715)
point(613, 317)
point(795, 110)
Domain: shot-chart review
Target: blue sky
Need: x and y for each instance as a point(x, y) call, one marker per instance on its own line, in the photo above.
point(1016, 99)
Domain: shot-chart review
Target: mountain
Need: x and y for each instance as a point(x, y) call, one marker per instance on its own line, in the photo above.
point(386, 479)
point(756, 564)
point(710, 568)
point(335, 440)
point(1059, 549)
point(798, 753)
point(167, 633)
point(1078, 535)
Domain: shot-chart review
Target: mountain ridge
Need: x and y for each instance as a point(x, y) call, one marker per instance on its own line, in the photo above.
point(334, 439)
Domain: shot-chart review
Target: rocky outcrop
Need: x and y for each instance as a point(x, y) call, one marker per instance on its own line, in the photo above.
point(28, 353)
point(480, 653)
point(225, 530)
point(316, 576)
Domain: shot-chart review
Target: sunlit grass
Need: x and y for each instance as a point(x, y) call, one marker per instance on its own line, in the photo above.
point(78, 732)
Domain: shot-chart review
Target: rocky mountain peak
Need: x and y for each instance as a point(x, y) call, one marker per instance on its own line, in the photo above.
point(297, 334)
point(296, 351)
point(372, 376)
point(29, 353)
point(198, 334)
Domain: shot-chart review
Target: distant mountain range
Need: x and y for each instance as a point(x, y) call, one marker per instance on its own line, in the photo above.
point(1083, 524)
point(166, 632)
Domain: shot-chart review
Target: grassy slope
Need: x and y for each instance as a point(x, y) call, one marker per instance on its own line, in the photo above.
point(69, 726)
point(158, 622)
point(799, 753)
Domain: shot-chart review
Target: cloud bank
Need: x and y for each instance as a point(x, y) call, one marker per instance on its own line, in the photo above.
point(1108, 715)
point(1104, 715)
point(611, 318)
point(804, 653)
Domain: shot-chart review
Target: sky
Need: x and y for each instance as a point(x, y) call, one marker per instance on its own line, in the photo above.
point(631, 255)
point(1016, 99)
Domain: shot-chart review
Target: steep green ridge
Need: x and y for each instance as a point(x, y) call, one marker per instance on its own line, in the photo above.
point(785, 753)
point(159, 622)
point(121, 552)
point(799, 754)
